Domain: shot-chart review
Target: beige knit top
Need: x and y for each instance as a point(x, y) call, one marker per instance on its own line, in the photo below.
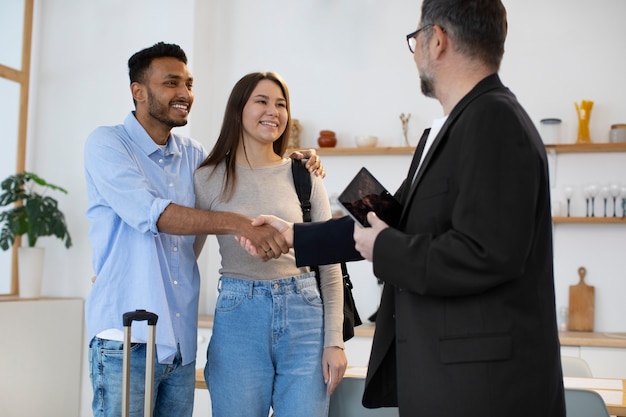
point(270, 190)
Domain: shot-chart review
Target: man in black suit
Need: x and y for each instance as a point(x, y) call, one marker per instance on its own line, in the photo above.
point(467, 323)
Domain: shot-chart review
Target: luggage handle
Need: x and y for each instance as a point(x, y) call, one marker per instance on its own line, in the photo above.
point(139, 315)
point(127, 319)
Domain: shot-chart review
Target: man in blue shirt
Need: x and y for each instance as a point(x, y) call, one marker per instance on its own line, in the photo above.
point(143, 224)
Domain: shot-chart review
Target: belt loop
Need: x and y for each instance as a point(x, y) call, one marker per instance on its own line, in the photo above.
point(219, 284)
point(251, 289)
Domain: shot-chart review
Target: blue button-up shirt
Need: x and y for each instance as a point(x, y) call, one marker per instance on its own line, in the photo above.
point(130, 181)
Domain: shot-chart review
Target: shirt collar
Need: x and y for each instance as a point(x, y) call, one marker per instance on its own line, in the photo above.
point(139, 135)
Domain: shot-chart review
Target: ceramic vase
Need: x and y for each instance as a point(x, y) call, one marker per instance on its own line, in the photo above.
point(30, 271)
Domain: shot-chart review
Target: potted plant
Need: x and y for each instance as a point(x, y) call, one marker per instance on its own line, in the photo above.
point(37, 216)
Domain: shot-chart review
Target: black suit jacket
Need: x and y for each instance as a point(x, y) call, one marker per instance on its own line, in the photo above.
point(467, 323)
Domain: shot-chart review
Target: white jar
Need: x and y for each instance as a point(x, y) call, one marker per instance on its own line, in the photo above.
point(551, 131)
point(618, 133)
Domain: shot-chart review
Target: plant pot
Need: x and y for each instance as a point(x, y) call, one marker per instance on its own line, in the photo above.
point(30, 271)
point(327, 139)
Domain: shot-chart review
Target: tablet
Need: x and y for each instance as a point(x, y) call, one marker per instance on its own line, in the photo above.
point(364, 194)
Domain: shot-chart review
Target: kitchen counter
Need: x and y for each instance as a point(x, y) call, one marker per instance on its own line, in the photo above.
point(597, 339)
point(205, 321)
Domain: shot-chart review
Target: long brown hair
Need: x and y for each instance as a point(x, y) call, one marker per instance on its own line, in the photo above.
point(225, 149)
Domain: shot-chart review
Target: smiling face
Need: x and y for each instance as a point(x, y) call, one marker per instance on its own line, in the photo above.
point(165, 98)
point(265, 114)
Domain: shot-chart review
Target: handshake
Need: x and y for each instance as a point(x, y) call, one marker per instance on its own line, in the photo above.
point(271, 251)
point(273, 248)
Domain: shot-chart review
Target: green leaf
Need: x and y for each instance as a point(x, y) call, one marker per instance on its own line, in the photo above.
point(35, 214)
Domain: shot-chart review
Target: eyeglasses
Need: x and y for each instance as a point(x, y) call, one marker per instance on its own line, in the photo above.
point(411, 38)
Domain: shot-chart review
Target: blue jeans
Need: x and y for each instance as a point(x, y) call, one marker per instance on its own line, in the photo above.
point(266, 349)
point(173, 384)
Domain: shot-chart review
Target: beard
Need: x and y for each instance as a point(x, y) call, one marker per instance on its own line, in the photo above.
point(159, 112)
point(427, 79)
point(427, 83)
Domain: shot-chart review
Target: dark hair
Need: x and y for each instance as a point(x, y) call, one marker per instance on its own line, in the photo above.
point(225, 148)
point(139, 63)
point(478, 27)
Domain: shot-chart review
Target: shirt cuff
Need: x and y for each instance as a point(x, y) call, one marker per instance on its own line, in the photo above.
point(158, 207)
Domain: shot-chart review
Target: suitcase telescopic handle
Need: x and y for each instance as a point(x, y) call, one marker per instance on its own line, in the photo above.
point(127, 319)
point(139, 315)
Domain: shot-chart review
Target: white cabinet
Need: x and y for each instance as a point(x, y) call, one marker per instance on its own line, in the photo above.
point(605, 362)
point(358, 350)
point(40, 357)
point(204, 336)
point(202, 401)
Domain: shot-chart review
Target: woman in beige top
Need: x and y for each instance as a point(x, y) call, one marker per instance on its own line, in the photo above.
point(275, 344)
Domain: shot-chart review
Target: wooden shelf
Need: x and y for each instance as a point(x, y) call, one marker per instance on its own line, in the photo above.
point(567, 148)
point(590, 220)
point(370, 150)
point(408, 150)
point(587, 148)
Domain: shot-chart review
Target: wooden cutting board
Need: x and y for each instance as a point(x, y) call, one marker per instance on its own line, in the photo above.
point(581, 305)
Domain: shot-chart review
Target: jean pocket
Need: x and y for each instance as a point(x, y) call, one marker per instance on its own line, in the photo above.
point(114, 347)
point(228, 301)
point(311, 295)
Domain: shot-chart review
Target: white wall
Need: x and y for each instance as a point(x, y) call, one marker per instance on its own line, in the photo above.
point(349, 70)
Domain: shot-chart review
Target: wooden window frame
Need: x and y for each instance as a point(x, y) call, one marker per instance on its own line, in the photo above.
point(22, 77)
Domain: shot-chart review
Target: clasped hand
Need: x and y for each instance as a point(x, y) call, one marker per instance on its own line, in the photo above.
point(284, 227)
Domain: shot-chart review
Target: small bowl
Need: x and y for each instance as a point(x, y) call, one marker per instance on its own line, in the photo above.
point(365, 141)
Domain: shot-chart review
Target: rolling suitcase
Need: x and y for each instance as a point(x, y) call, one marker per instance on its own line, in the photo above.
point(128, 318)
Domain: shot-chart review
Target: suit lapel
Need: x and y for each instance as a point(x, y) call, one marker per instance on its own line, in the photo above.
point(422, 168)
point(417, 155)
point(488, 83)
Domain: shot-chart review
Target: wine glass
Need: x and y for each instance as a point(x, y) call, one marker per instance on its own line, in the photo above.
point(586, 194)
point(593, 192)
point(615, 192)
point(568, 190)
point(605, 193)
point(623, 194)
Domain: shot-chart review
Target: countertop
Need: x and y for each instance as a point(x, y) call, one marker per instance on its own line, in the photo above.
point(597, 339)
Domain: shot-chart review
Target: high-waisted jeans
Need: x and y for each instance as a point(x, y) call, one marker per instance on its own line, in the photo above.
point(266, 349)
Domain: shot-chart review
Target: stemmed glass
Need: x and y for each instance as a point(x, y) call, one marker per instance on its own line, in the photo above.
point(586, 194)
point(605, 193)
point(623, 193)
point(615, 192)
point(568, 190)
point(593, 192)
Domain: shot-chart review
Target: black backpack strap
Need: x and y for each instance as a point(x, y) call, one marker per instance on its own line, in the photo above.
point(302, 181)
